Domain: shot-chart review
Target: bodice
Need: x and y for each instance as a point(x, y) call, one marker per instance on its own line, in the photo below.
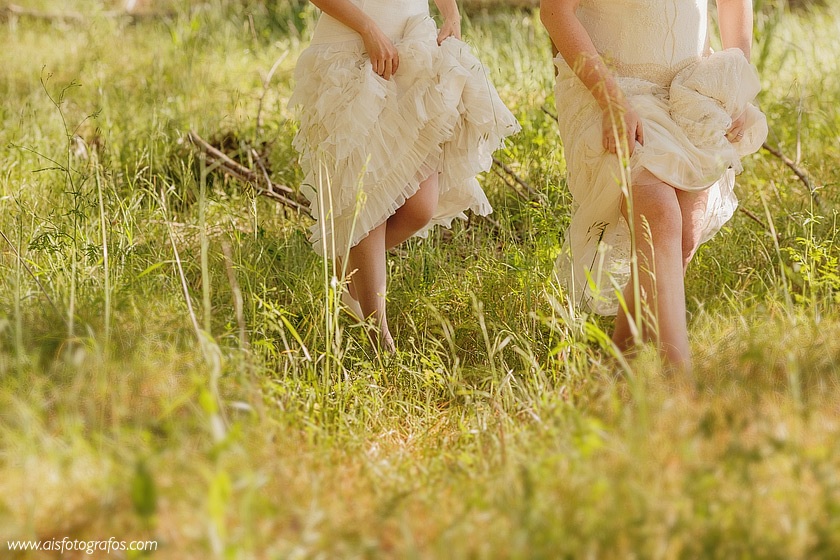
point(390, 15)
point(647, 39)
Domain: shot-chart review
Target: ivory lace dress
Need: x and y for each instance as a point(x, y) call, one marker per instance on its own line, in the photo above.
point(686, 97)
point(366, 143)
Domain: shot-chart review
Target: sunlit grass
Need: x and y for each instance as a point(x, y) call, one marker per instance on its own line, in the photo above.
point(504, 428)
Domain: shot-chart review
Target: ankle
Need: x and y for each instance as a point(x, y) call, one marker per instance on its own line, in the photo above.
point(345, 277)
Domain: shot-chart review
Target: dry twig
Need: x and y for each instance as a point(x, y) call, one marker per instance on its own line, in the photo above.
point(797, 170)
point(758, 220)
point(519, 180)
point(507, 182)
point(266, 83)
point(493, 222)
point(262, 185)
point(548, 112)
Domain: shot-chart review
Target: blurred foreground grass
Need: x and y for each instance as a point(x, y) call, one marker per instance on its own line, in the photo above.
point(502, 430)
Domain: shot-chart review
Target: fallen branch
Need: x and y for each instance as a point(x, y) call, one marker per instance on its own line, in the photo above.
point(254, 184)
point(548, 112)
point(797, 170)
point(511, 173)
point(262, 166)
point(227, 165)
point(492, 222)
point(217, 154)
point(758, 220)
point(512, 186)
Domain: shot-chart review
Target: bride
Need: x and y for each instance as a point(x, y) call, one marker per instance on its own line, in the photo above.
point(654, 126)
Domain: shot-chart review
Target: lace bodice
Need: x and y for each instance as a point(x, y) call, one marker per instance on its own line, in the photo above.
point(648, 39)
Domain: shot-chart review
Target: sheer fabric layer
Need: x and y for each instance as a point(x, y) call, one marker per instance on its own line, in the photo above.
point(686, 108)
point(366, 143)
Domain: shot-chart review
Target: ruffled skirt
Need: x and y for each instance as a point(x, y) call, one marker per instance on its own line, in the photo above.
point(685, 124)
point(367, 143)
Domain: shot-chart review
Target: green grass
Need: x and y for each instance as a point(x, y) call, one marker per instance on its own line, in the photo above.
point(503, 429)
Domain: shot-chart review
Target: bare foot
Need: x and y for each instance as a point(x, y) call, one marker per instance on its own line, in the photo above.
point(386, 343)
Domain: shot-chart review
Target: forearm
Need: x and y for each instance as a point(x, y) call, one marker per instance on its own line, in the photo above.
point(736, 24)
point(575, 46)
point(347, 13)
point(448, 9)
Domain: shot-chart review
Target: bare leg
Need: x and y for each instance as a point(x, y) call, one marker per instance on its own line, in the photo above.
point(623, 335)
point(414, 214)
point(660, 274)
point(367, 260)
point(693, 208)
point(409, 218)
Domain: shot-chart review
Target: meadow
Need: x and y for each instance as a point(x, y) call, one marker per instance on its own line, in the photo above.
point(173, 367)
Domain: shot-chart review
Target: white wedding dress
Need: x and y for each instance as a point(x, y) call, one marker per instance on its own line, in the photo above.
point(686, 97)
point(366, 143)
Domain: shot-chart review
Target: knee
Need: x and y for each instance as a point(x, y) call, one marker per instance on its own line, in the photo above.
point(419, 216)
point(661, 214)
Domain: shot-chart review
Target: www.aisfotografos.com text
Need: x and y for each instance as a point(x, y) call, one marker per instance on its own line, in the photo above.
point(89, 547)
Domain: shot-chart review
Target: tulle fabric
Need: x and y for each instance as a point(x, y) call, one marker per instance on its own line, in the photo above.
point(685, 123)
point(366, 143)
